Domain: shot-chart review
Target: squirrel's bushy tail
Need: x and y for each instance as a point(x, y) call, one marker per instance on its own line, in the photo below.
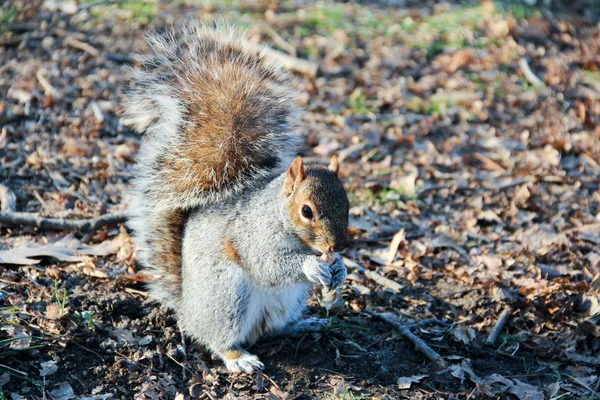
point(217, 117)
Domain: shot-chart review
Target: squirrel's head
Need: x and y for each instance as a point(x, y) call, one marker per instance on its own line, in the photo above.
point(317, 205)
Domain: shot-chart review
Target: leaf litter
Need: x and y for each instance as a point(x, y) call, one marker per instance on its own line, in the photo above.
point(473, 191)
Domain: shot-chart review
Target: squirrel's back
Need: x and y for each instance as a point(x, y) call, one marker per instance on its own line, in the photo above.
point(217, 118)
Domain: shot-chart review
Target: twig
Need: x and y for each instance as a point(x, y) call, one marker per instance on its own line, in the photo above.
point(502, 320)
point(305, 67)
point(489, 163)
point(396, 241)
point(427, 322)
point(77, 44)
point(594, 393)
point(419, 344)
point(97, 112)
point(49, 90)
point(183, 348)
point(12, 369)
point(374, 276)
point(84, 225)
point(277, 39)
point(8, 200)
point(529, 75)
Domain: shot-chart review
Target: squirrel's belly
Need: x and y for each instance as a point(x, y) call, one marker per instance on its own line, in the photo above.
point(271, 309)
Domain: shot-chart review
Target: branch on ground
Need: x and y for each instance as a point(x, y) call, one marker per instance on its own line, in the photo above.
point(420, 345)
point(83, 225)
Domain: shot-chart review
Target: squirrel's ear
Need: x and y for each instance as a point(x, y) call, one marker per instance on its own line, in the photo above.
point(334, 165)
point(296, 174)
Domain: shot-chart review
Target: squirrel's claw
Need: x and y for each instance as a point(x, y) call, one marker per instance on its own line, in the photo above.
point(338, 273)
point(317, 271)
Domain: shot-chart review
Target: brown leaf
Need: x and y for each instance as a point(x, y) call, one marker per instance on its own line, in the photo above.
point(405, 382)
point(394, 245)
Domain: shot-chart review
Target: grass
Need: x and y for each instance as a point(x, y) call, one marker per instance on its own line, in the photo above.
point(138, 11)
point(455, 28)
point(7, 16)
point(355, 20)
point(347, 395)
point(518, 10)
point(61, 300)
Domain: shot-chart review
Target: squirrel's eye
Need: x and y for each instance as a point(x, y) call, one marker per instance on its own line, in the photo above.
point(307, 212)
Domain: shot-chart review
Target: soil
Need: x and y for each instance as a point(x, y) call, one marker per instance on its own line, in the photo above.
point(445, 139)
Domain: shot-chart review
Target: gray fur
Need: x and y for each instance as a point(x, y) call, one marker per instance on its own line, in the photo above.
point(221, 300)
point(220, 303)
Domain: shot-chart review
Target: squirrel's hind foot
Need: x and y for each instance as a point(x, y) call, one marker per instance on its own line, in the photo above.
point(238, 360)
point(304, 326)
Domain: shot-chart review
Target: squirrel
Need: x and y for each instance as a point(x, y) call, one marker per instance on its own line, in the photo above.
point(234, 225)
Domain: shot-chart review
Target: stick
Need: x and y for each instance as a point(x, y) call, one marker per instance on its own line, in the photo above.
point(77, 44)
point(49, 90)
point(277, 39)
point(427, 322)
point(499, 325)
point(8, 200)
point(489, 163)
point(374, 276)
point(305, 67)
point(84, 225)
point(419, 344)
point(594, 393)
point(529, 75)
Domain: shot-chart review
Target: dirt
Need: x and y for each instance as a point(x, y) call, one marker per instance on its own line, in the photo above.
point(492, 179)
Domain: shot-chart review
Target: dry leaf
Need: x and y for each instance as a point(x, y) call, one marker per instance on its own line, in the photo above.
point(499, 384)
point(63, 392)
point(394, 245)
point(65, 249)
point(447, 241)
point(464, 334)
point(122, 335)
point(48, 368)
point(407, 381)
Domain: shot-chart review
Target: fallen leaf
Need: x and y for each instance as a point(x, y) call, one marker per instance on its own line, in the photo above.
point(48, 368)
point(464, 334)
point(63, 392)
point(122, 335)
point(499, 384)
point(67, 249)
point(448, 242)
point(396, 241)
point(406, 381)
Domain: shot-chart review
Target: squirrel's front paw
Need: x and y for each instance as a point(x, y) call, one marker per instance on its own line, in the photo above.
point(338, 273)
point(318, 271)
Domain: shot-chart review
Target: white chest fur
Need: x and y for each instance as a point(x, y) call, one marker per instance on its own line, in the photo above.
point(270, 309)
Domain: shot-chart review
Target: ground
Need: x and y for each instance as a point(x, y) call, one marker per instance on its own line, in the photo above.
point(469, 142)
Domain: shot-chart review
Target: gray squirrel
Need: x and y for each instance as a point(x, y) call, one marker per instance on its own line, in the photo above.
point(234, 225)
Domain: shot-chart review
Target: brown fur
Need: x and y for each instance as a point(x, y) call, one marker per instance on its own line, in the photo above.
point(235, 127)
point(262, 326)
point(233, 354)
point(231, 252)
point(353, 231)
point(318, 187)
point(232, 103)
point(167, 248)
